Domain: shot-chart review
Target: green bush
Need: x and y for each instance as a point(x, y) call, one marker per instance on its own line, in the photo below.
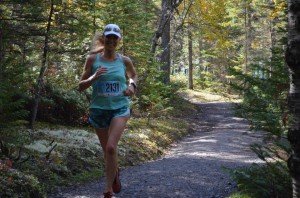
point(155, 98)
point(16, 184)
point(62, 106)
point(264, 181)
point(11, 105)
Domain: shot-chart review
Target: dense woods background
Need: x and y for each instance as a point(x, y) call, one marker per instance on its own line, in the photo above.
point(223, 46)
point(43, 49)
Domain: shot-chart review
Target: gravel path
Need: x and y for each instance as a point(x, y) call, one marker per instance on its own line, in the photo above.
point(193, 167)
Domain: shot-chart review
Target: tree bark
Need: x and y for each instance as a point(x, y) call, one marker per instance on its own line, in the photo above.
point(165, 40)
point(165, 17)
point(293, 62)
point(1, 63)
point(1, 55)
point(246, 37)
point(190, 49)
point(39, 84)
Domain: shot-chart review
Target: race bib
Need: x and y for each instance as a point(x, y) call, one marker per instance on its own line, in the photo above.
point(109, 88)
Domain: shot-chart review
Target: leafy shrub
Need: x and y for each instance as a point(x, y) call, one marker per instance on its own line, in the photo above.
point(13, 90)
point(16, 184)
point(155, 98)
point(271, 179)
point(265, 181)
point(62, 106)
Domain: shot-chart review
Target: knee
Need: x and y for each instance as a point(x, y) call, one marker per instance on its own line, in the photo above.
point(110, 149)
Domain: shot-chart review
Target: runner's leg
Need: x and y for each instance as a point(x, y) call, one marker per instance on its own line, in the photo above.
point(116, 129)
point(103, 137)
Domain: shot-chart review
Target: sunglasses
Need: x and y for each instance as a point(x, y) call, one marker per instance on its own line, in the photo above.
point(108, 29)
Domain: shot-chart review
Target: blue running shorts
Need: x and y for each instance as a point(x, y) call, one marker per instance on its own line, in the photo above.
point(101, 119)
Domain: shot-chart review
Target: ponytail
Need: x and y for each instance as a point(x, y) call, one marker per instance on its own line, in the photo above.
point(97, 43)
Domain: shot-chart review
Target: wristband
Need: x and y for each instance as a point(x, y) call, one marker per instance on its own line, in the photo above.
point(133, 84)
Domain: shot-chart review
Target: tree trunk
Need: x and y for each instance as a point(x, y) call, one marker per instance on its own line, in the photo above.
point(273, 43)
point(293, 61)
point(165, 17)
point(1, 55)
point(1, 63)
point(39, 84)
point(190, 48)
point(200, 47)
point(248, 29)
point(165, 42)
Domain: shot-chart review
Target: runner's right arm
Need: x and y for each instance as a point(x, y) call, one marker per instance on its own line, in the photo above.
point(87, 78)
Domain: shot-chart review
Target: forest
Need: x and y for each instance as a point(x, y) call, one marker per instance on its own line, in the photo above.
point(228, 47)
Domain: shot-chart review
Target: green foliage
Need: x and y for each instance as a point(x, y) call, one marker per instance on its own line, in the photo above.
point(271, 180)
point(152, 99)
point(16, 184)
point(235, 54)
point(46, 157)
point(12, 97)
point(265, 98)
point(157, 98)
point(265, 105)
point(135, 18)
point(63, 106)
point(265, 85)
point(263, 80)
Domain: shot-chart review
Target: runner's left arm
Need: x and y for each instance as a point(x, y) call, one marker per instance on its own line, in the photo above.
point(132, 75)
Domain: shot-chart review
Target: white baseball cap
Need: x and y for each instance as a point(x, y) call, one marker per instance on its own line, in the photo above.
point(112, 29)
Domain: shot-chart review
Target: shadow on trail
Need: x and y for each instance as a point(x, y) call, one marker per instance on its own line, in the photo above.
point(194, 167)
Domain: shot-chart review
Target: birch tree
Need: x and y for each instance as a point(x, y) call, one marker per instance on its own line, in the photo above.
point(293, 61)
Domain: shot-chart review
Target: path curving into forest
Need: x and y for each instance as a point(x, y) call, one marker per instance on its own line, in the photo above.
point(193, 167)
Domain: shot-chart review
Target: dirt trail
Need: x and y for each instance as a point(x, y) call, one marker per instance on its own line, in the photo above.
point(193, 167)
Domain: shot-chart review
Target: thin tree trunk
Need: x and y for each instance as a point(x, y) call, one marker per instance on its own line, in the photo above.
point(190, 49)
point(39, 84)
point(1, 55)
point(1, 63)
point(273, 31)
point(273, 42)
point(293, 61)
point(165, 40)
point(246, 36)
point(200, 47)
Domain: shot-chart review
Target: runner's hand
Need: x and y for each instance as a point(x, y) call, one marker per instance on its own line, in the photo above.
point(129, 91)
point(99, 72)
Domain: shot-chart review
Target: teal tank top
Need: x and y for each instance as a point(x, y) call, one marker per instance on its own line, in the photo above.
point(108, 89)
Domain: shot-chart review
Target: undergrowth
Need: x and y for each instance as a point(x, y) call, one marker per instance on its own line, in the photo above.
point(53, 155)
point(270, 180)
